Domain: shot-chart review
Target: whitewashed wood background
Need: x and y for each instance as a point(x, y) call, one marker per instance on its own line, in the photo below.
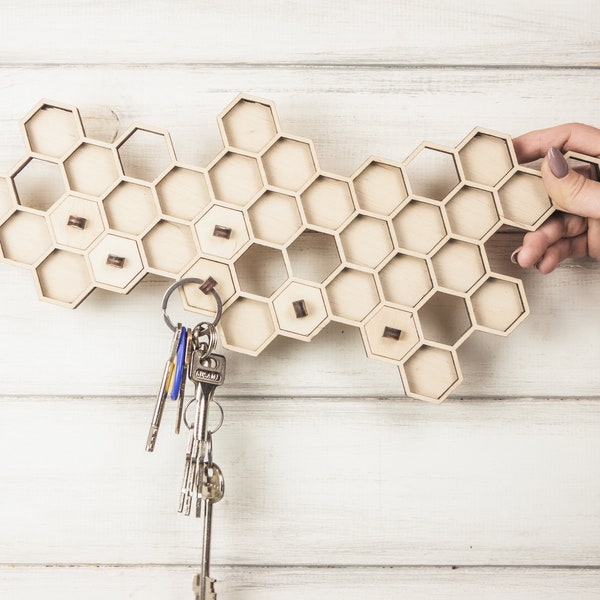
point(338, 487)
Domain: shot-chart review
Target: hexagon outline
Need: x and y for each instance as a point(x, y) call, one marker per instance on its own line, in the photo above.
point(80, 298)
point(14, 172)
point(188, 167)
point(436, 148)
point(490, 133)
point(476, 186)
point(237, 100)
point(230, 346)
point(77, 121)
point(543, 217)
point(129, 133)
point(313, 154)
point(136, 278)
point(318, 327)
point(448, 391)
point(389, 163)
point(56, 207)
point(522, 295)
point(99, 144)
point(365, 339)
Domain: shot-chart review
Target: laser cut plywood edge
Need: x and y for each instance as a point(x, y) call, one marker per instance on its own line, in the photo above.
point(397, 249)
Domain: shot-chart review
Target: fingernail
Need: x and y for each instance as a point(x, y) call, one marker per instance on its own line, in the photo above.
point(557, 163)
point(513, 256)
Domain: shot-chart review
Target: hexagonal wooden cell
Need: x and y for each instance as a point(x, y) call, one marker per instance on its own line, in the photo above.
point(52, 129)
point(314, 256)
point(290, 163)
point(64, 278)
point(431, 374)
point(247, 326)
point(419, 226)
point(222, 232)
point(38, 183)
point(261, 270)
point(390, 333)
point(169, 248)
point(432, 171)
point(380, 187)
point(130, 208)
point(366, 241)
point(352, 295)
point(405, 280)
point(275, 218)
point(194, 298)
point(116, 263)
point(458, 265)
point(248, 123)
point(486, 157)
point(92, 168)
point(76, 222)
point(25, 237)
point(524, 183)
point(473, 213)
point(445, 319)
point(145, 153)
point(236, 178)
point(183, 192)
point(499, 305)
point(300, 310)
point(328, 202)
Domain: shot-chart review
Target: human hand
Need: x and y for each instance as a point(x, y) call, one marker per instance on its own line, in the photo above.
point(574, 232)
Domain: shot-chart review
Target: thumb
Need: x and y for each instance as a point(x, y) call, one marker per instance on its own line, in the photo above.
point(570, 191)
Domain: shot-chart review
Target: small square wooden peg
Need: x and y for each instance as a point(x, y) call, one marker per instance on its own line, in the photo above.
point(208, 285)
point(222, 232)
point(300, 309)
point(115, 261)
point(392, 333)
point(76, 222)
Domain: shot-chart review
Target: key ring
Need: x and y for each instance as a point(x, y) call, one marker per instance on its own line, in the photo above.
point(185, 281)
point(191, 426)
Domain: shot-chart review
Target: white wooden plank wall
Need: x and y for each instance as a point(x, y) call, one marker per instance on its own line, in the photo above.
point(337, 485)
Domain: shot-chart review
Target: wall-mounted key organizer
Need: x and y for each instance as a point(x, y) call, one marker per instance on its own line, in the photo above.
point(397, 249)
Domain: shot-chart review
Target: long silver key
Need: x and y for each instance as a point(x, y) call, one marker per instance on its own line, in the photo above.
point(163, 391)
point(211, 491)
point(207, 373)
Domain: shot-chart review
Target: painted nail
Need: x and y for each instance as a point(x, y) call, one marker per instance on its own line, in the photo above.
point(557, 163)
point(515, 254)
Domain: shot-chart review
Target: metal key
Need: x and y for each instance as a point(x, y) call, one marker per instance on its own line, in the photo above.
point(211, 490)
point(181, 398)
point(162, 392)
point(207, 373)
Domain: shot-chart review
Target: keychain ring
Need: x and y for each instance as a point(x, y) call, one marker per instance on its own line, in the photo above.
point(185, 281)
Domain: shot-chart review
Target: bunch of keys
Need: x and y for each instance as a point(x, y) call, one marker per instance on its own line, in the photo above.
point(192, 356)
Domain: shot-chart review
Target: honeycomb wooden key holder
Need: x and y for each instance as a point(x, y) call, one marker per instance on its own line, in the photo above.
point(291, 247)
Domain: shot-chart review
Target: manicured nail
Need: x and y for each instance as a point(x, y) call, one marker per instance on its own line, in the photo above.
point(557, 163)
point(515, 254)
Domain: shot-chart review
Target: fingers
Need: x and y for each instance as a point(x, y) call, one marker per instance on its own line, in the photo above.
point(570, 136)
point(570, 191)
point(566, 248)
point(536, 243)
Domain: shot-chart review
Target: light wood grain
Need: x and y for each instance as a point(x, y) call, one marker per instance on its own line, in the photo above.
point(350, 113)
point(252, 583)
point(117, 345)
point(308, 481)
point(321, 468)
point(383, 33)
